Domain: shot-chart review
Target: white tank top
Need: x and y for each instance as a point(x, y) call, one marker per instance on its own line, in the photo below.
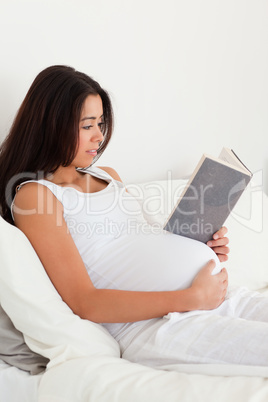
point(120, 249)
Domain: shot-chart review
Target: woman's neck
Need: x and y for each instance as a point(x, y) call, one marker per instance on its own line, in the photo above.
point(65, 175)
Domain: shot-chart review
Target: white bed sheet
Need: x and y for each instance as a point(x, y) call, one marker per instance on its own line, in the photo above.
point(17, 385)
point(115, 380)
point(102, 380)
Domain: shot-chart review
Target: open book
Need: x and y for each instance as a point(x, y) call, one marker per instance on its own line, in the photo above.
point(210, 195)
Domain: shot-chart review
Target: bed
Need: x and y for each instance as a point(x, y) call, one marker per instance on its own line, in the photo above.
point(84, 360)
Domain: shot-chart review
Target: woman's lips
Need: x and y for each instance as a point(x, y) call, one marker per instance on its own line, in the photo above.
point(92, 152)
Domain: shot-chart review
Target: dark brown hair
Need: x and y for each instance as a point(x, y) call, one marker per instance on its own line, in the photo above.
point(45, 132)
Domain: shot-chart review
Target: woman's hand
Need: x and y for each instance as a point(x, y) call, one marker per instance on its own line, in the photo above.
point(210, 290)
point(218, 244)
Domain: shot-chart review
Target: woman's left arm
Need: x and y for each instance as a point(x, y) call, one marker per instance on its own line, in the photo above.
point(219, 243)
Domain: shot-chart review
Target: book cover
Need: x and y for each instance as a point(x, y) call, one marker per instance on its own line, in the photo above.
point(210, 196)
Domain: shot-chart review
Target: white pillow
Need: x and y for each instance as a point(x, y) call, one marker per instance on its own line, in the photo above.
point(248, 234)
point(36, 309)
point(247, 227)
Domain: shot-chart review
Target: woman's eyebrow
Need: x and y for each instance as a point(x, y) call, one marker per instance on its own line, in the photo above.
point(90, 118)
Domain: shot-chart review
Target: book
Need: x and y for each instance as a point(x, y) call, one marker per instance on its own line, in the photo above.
point(209, 196)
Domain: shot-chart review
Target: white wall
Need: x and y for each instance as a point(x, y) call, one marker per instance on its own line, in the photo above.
point(186, 77)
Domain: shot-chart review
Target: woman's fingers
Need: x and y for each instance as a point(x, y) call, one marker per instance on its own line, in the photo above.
point(221, 250)
point(224, 274)
point(222, 257)
point(220, 233)
point(221, 242)
point(218, 244)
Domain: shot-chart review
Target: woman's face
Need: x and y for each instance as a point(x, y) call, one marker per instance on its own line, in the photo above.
point(90, 134)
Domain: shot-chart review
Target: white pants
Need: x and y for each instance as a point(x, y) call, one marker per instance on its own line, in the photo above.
point(235, 333)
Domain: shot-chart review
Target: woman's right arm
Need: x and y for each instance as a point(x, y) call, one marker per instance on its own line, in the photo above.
point(39, 215)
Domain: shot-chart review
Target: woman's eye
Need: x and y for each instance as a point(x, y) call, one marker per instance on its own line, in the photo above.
point(88, 127)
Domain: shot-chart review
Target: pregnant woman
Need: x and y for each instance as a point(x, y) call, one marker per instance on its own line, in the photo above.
point(162, 296)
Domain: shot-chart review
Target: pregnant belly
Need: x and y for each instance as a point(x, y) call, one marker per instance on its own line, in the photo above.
point(149, 262)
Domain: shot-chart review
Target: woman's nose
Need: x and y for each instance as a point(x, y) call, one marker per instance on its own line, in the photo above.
point(98, 135)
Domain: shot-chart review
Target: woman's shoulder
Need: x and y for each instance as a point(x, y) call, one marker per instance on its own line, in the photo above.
point(112, 172)
point(32, 197)
point(27, 191)
point(31, 190)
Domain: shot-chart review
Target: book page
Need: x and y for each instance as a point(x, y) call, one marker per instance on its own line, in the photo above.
point(229, 156)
